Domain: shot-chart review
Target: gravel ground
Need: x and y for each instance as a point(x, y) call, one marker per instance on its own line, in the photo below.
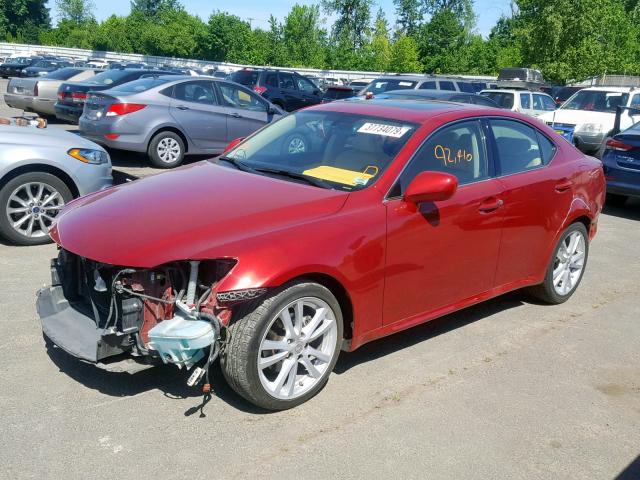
point(506, 389)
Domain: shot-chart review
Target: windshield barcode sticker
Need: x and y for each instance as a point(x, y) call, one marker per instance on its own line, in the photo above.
point(382, 129)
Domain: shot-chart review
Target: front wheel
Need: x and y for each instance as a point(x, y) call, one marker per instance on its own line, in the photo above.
point(281, 352)
point(28, 205)
point(566, 267)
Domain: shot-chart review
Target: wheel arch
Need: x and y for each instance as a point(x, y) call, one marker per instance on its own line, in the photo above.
point(41, 167)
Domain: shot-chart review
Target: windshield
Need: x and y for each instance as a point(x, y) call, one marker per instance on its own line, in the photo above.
point(379, 86)
point(140, 85)
point(108, 77)
point(596, 101)
point(503, 99)
point(63, 73)
point(343, 151)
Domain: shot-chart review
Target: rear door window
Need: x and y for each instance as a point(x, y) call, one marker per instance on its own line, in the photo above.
point(525, 100)
point(245, 77)
point(447, 85)
point(286, 81)
point(430, 85)
point(520, 147)
point(196, 92)
point(271, 80)
point(466, 87)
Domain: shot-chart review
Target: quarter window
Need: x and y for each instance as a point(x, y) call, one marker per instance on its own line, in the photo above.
point(458, 149)
point(520, 147)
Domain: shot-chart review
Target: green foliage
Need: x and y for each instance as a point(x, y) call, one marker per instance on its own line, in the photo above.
point(24, 20)
point(304, 40)
point(77, 12)
point(565, 39)
point(404, 56)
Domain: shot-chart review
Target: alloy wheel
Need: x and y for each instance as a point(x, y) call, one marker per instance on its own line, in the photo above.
point(297, 348)
point(569, 263)
point(32, 208)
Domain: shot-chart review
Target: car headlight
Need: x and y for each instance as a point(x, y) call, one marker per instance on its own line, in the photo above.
point(590, 128)
point(87, 155)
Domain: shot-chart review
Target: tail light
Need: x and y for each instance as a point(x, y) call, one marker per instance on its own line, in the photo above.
point(78, 97)
point(613, 144)
point(61, 96)
point(118, 109)
point(35, 90)
point(259, 90)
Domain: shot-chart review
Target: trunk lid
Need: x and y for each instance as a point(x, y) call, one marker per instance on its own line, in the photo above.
point(22, 86)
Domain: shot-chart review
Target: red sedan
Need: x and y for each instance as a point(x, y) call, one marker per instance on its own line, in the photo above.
point(330, 228)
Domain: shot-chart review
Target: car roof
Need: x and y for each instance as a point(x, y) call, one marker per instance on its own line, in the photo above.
point(426, 93)
point(511, 90)
point(609, 89)
point(407, 110)
point(419, 78)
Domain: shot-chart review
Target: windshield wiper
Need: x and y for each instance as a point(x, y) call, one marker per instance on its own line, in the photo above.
point(316, 182)
point(236, 163)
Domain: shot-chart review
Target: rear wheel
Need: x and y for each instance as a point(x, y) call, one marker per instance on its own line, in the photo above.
point(566, 267)
point(616, 200)
point(281, 352)
point(28, 205)
point(166, 150)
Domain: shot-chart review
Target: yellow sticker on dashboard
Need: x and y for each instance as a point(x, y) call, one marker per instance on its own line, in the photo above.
point(340, 175)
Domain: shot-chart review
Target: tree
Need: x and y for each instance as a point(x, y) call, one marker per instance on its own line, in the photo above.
point(379, 49)
point(303, 38)
point(229, 38)
point(77, 12)
point(409, 16)
point(569, 39)
point(352, 22)
point(404, 56)
point(151, 8)
point(24, 20)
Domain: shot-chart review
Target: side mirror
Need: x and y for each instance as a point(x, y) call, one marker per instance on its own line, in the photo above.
point(271, 110)
point(431, 187)
point(232, 144)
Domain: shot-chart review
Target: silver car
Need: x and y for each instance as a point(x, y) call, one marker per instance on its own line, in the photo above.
point(40, 171)
point(40, 94)
point(170, 117)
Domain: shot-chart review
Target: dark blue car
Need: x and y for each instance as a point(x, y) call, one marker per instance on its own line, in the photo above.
point(621, 161)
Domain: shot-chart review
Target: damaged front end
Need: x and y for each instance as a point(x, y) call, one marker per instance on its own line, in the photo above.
point(168, 314)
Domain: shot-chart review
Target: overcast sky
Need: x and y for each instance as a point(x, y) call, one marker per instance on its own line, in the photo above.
point(488, 11)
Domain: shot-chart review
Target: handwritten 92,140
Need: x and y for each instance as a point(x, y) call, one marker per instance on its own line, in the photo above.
point(443, 154)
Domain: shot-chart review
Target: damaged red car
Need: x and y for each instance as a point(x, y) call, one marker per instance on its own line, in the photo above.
point(335, 226)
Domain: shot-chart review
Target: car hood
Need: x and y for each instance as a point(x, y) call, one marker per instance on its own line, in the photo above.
point(578, 117)
point(25, 137)
point(185, 213)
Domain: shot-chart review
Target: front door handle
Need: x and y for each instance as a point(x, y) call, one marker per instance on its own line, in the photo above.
point(490, 205)
point(235, 115)
point(563, 185)
point(182, 107)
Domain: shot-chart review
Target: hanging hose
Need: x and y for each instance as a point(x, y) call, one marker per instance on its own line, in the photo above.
point(213, 351)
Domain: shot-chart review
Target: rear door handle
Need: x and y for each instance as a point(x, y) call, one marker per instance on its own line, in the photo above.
point(563, 185)
point(235, 115)
point(182, 107)
point(490, 205)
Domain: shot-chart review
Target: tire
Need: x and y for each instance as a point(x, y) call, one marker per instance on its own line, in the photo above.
point(295, 144)
point(547, 291)
point(262, 322)
point(169, 142)
point(616, 200)
point(14, 196)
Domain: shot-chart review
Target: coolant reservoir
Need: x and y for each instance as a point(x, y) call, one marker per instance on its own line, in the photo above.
point(181, 340)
